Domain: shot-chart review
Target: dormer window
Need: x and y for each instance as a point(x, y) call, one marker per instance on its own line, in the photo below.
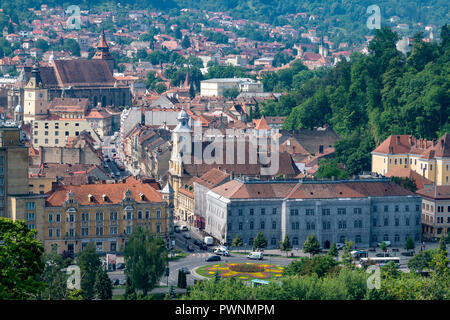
point(142, 196)
point(91, 198)
point(105, 197)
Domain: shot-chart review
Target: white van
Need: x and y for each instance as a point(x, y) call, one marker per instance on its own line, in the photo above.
point(255, 255)
point(208, 241)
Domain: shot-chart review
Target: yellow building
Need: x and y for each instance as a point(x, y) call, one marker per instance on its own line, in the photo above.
point(430, 159)
point(105, 214)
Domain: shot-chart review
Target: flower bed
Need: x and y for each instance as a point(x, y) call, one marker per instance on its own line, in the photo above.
point(244, 271)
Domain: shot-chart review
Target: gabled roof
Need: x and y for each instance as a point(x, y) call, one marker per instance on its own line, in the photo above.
point(420, 180)
point(114, 193)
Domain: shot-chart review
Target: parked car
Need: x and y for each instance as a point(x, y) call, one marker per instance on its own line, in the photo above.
point(120, 266)
point(388, 243)
point(185, 270)
point(197, 242)
point(379, 255)
point(122, 282)
point(408, 253)
point(189, 248)
point(203, 246)
point(187, 236)
point(213, 258)
point(222, 252)
point(255, 256)
point(116, 282)
point(339, 245)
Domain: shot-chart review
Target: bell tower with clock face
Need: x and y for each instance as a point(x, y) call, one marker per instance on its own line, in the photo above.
point(35, 97)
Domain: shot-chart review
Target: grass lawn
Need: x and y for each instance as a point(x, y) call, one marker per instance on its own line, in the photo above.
point(238, 270)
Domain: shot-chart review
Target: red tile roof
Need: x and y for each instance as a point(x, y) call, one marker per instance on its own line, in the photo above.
point(408, 173)
point(114, 192)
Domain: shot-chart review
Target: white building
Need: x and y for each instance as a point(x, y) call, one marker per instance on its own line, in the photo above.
point(215, 87)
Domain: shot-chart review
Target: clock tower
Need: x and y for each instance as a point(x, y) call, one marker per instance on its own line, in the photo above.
point(35, 97)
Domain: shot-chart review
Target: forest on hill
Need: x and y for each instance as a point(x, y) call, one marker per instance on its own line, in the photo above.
point(369, 97)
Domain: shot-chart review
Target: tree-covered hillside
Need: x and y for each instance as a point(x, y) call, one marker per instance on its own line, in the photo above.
point(372, 96)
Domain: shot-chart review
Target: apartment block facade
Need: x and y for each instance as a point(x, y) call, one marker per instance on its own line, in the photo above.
point(365, 211)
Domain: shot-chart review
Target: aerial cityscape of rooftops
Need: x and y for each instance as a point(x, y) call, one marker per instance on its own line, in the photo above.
point(222, 150)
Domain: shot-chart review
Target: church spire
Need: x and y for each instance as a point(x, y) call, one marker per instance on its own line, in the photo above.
point(102, 52)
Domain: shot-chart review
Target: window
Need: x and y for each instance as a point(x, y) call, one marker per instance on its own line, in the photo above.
point(310, 226)
point(158, 214)
point(71, 217)
point(407, 221)
point(84, 231)
point(250, 241)
point(99, 231)
point(263, 224)
point(50, 233)
point(375, 208)
point(273, 241)
point(407, 208)
point(50, 217)
point(309, 212)
point(326, 225)
point(342, 224)
point(358, 223)
point(397, 222)
point(99, 216)
point(113, 216)
point(274, 224)
point(341, 211)
point(386, 237)
point(386, 208)
point(263, 211)
point(274, 211)
point(251, 225)
point(358, 239)
point(325, 212)
point(417, 207)
point(240, 212)
point(386, 222)
point(158, 228)
point(396, 208)
point(252, 211)
point(240, 225)
point(357, 210)
point(58, 232)
point(30, 216)
point(58, 217)
point(295, 241)
point(56, 141)
point(30, 205)
point(374, 222)
point(139, 215)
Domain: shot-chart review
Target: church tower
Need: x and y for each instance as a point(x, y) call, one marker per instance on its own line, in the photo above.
point(103, 52)
point(35, 97)
point(181, 144)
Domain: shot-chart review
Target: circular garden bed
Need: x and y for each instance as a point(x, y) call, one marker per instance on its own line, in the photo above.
point(244, 271)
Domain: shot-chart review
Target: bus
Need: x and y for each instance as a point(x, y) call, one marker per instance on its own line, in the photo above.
point(379, 261)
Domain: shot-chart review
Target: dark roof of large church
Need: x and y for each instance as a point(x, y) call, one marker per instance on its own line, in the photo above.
point(83, 73)
point(75, 73)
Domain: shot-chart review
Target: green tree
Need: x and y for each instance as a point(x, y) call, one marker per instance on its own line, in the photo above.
point(103, 286)
point(421, 261)
point(237, 242)
point(72, 46)
point(347, 258)
point(54, 278)
point(181, 279)
point(311, 245)
point(231, 93)
point(286, 245)
point(21, 262)
point(409, 244)
point(42, 44)
point(329, 169)
point(260, 241)
point(89, 262)
point(333, 252)
point(186, 43)
point(442, 246)
point(383, 247)
point(146, 258)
